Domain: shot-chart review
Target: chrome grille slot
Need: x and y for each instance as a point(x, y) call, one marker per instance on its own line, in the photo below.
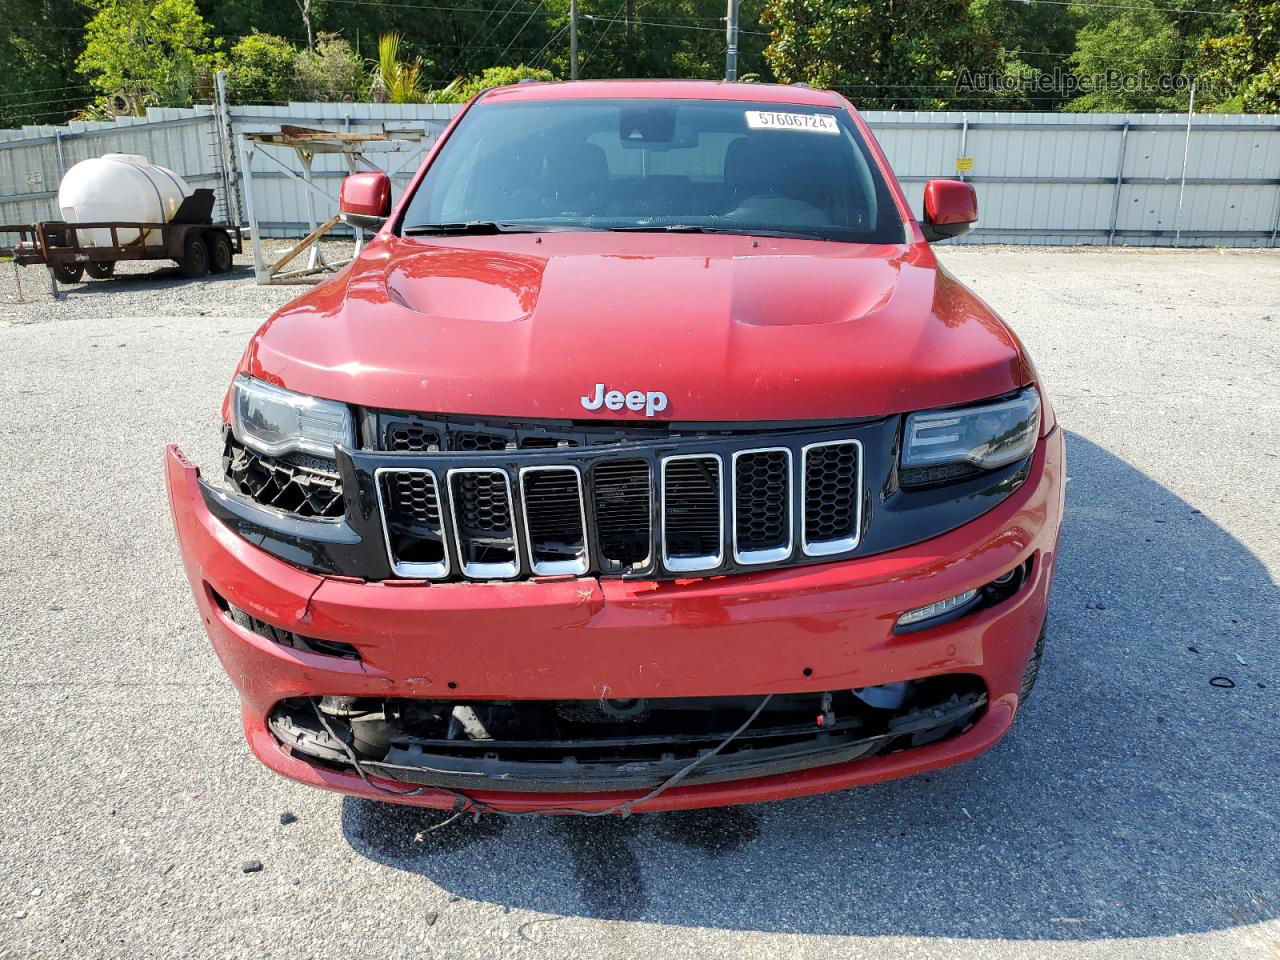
point(762, 505)
point(483, 526)
point(692, 512)
point(832, 513)
point(555, 522)
point(623, 502)
point(409, 502)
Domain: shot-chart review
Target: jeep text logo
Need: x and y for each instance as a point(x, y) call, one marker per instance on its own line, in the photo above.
point(654, 401)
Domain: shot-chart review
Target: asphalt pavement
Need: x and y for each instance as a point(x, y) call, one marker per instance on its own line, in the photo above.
point(1133, 811)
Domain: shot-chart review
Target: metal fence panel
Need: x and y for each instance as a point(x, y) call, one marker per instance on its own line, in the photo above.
point(1041, 177)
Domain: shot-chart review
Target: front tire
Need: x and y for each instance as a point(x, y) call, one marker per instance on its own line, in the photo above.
point(102, 270)
point(1032, 670)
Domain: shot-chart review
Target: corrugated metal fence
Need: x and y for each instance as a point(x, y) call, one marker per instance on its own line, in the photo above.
point(1041, 177)
point(1099, 178)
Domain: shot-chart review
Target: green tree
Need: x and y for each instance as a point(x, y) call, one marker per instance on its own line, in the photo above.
point(38, 79)
point(395, 80)
point(239, 18)
point(500, 77)
point(893, 54)
point(331, 71)
point(1035, 41)
point(653, 38)
point(1123, 54)
point(262, 68)
point(1240, 71)
point(144, 52)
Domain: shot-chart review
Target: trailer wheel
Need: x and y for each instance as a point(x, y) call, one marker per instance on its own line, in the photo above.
point(100, 270)
point(195, 258)
point(220, 254)
point(67, 272)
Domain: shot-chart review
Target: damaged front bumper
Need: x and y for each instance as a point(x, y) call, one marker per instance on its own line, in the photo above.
point(299, 645)
point(594, 746)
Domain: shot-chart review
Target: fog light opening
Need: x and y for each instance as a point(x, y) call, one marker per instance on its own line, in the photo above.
point(962, 604)
point(938, 609)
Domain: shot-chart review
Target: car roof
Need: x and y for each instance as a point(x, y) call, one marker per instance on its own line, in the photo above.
point(665, 90)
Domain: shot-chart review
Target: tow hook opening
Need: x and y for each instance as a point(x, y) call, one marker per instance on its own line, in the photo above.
point(599, 745)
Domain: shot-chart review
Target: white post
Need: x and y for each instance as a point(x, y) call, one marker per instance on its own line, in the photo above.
point(255, 240)
point(1115, 196)
point(1186, 150)
point(315, 259)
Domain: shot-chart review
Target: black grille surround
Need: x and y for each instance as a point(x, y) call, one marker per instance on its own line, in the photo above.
point(395, 517)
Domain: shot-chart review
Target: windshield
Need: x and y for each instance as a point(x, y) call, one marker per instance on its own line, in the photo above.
point(714, 166)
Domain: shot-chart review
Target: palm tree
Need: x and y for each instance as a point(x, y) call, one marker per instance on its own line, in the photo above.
point(395, 81)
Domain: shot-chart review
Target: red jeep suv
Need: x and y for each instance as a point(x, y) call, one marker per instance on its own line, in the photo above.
point(645, 459)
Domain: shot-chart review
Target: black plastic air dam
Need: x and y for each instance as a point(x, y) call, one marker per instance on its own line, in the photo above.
point(552, 746)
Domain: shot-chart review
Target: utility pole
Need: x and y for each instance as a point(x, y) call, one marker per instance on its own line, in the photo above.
point(731, 42)
point(573, 39)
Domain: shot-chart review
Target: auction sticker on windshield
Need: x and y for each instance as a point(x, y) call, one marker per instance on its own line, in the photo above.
point(804, 122)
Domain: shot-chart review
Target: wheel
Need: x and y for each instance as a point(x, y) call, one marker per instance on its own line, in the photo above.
point(195, 258)
point(101, 270)
point(1032, 669)
point(220, 254)
point(68, 272)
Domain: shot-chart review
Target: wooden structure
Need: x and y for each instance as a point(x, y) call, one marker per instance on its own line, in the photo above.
point(307, 143)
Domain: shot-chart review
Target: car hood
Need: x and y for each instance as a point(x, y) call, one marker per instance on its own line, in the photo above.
point(729, 328)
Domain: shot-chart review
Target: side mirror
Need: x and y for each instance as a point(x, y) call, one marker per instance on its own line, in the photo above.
point(950, 209)
point(365, 200)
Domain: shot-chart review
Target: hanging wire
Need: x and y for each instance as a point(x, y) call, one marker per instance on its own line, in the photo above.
point(463, 803)
point(1121, 6)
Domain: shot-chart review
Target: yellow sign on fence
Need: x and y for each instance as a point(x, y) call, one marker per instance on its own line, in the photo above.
point(964, 164)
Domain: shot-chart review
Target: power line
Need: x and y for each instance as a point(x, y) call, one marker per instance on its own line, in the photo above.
point(501, 21)
point(41, 103)
point(1051, 53)
point(591, 53)
point(422, 6)
point(520, 31)
point(483, 23)
point(67, 86)
point(1121, 6)
point(673, 26)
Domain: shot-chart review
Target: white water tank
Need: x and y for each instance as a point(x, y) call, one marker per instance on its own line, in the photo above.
point(119, 187)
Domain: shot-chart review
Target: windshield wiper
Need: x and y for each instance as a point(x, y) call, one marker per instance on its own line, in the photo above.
point(470, 227)
point(665, 228)
point(698, 228)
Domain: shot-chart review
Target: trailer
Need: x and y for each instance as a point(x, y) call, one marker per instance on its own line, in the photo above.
point(198, 245)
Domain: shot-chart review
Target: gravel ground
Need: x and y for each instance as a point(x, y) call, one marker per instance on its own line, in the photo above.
point(1132, 813)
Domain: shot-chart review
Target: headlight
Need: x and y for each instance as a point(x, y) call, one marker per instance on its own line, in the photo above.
point(987, 437)
point(274, 421)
